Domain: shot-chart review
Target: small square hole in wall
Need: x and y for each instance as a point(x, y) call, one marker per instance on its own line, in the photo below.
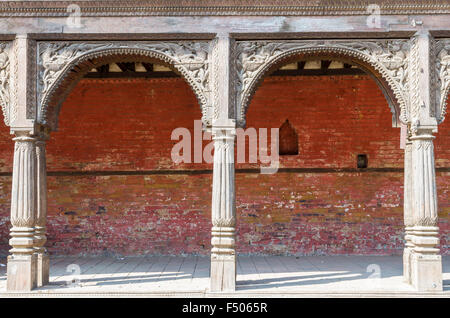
point(361, 161)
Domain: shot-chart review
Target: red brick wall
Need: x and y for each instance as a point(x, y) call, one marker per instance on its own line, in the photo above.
point(118, 131)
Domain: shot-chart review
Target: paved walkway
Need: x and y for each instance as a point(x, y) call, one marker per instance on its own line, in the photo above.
point(258, 276)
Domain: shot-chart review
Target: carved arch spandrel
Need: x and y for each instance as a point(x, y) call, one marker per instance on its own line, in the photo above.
point(386, 60)
point(443, 76)
point(62, 64)
point(5, 71)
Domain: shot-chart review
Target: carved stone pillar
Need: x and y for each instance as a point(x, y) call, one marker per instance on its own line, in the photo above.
point(21, 269)
point(223, 255)
point(43, 262)
point(426, 263)
point(407, 211)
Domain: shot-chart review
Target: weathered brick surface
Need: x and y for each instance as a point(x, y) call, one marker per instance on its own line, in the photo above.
point(336, 118)
point(111, 126)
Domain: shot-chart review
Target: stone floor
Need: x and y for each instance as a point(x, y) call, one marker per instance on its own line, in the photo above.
point(258, 276)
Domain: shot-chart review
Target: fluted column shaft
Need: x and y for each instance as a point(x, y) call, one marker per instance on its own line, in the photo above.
point(408, 211)
point(426, 263)
point(43, 265)
point(223, 255)
point(21, 269)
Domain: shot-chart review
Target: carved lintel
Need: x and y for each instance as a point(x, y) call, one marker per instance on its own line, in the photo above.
point(387, 57)
point(56, 59)
point(137, 8)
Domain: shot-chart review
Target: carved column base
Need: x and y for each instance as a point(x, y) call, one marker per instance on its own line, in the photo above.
point(21, 272)
point(223, 259)
point(42, 269)
point(43, 261)
point(426, 272)
point(407, 251)
point(426, 263)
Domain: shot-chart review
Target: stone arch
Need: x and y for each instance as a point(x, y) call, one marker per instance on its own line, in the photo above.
point(384, 60)
point(62, 65)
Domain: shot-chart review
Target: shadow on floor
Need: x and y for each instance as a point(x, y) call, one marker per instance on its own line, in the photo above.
point(319, 271)
point(123, 280)
point(300, 280)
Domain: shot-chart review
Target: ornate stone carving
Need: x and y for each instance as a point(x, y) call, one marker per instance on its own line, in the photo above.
point(442, 70)
point(219, 8)
point(22, 102)
point(56, 59)
point(229, 222)
point(4, 80)
point(215, 80)
point(387, 57)
point(414, 99)
point(222, 78)
point(427, 221)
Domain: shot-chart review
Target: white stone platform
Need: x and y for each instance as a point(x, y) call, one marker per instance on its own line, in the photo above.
point(258, 276)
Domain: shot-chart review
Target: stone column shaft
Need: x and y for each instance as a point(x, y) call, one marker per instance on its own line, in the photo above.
point(408, 212)
point(43, 262)
point(426, 263)
point(223, 255)
point(21, 269)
